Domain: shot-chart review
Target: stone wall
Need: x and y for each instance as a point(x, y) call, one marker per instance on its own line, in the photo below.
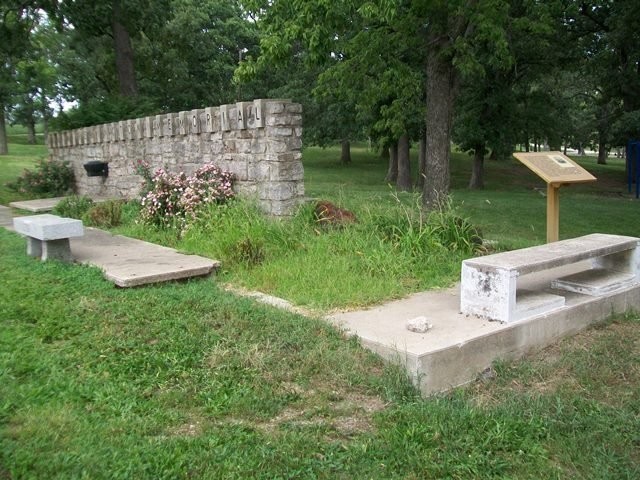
point(259, 142)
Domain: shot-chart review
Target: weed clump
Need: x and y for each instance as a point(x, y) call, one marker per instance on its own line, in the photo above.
point(105, 215)
point(74, 206)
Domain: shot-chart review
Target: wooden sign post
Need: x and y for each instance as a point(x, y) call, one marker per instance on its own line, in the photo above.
point(556, 169)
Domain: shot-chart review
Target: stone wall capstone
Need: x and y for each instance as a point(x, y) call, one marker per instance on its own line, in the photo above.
point(259, 142)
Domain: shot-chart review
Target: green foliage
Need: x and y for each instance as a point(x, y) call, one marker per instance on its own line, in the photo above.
point(294, 258)
point(50, 178)
point(247, 251)
point(104, 110)
point(74, 206)
point(105, 214)
point(422, 233)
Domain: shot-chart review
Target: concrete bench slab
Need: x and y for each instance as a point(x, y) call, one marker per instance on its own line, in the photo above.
point(38, 205)
point(48, 235)
point(489, 284)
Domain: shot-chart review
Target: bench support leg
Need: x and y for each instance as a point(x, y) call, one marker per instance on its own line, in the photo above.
point(488, 294)
point(34, 247)
point(57, 250)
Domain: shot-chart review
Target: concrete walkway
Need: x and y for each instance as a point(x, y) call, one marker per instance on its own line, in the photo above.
point(459, 347)
point(44, 205)
point(128, 262)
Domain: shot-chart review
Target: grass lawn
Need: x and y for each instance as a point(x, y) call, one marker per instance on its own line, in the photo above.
point(185, 380)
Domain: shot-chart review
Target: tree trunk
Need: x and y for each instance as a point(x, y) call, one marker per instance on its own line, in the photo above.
point(45, 127)
point(526, 143)
point(31, 131)
point(44, 111)
point(392, 172)
point(403, 182)
point(124, 54)
point(477, 172)
point(422, 162)
point(440, 104)
point(4, 148)
point(602, 149)
point(345, 155)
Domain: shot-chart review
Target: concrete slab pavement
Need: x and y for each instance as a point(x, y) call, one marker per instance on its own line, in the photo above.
point(128, 262)
point(37, 206)
point(458, 347)
point(43, 205)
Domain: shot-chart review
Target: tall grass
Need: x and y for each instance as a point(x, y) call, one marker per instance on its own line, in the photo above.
point(310, 264)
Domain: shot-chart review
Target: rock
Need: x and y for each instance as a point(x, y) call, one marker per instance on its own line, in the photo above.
point(419, 325)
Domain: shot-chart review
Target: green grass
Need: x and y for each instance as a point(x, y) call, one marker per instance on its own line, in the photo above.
point(17, 135)
point(359, 265)
point(183, 380)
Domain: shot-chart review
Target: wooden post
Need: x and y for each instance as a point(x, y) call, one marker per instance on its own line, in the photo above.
point(553, 212)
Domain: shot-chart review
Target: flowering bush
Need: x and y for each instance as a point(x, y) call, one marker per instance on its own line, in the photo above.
point(175, 198)
point(50, 178)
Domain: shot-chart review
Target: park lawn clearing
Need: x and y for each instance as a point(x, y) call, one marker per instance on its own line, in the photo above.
point(184, 380)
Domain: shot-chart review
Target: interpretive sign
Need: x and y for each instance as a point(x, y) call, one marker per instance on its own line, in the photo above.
point(556, 169)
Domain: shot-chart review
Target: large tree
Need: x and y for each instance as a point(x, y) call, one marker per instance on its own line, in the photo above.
point(114, 22)
point(608, 32)
point(16, 20)
point(446, 31)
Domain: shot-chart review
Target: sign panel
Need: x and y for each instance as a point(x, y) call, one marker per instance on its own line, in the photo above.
point(554, 167)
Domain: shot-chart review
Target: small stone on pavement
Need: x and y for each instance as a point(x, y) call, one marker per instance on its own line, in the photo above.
point(419, 325)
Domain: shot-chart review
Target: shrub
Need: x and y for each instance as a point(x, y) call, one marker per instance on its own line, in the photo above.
point(105, 215)
point(453, 231)
point(49, 178)
point(175, 198)
point(74, 206)
point(419, 233)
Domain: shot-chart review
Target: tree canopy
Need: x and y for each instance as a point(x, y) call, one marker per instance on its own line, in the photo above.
point(487, 75)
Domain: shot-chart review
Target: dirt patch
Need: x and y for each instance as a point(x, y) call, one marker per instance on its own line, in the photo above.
point(190, 429)
point(345, 413)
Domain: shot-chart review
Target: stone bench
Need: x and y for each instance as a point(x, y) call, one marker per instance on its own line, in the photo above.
point(48, 235)
point(489, 284)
